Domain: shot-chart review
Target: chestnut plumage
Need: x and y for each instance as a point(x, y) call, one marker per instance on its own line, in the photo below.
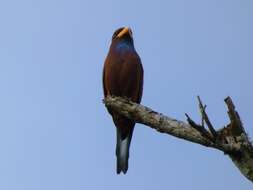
point(123, 76)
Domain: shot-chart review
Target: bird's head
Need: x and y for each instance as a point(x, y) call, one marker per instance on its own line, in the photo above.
point(123, 33)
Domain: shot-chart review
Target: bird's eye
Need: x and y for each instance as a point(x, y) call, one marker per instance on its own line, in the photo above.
point(130, 31)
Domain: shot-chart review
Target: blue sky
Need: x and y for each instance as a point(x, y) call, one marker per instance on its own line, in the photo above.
point(55, 133)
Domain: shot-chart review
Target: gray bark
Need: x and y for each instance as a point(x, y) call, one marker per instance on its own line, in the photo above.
point(232, 139)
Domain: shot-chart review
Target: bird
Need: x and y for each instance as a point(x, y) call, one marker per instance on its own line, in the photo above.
point(123, 76)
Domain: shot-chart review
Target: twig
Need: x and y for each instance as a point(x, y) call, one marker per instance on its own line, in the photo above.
point(199, 128)
point(206, 119)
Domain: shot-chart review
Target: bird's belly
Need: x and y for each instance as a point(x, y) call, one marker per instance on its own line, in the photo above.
point(122, 80)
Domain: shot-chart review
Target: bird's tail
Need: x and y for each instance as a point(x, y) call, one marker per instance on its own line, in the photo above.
point(122, 151)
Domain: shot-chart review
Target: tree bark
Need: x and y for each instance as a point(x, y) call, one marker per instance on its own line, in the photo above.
point(232, 139)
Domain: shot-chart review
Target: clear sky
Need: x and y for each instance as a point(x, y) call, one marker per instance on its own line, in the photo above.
point(55, 133)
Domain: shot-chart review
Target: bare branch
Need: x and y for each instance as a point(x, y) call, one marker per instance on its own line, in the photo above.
point(232, 140)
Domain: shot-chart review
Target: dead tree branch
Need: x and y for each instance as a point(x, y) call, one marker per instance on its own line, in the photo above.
point(231, 140)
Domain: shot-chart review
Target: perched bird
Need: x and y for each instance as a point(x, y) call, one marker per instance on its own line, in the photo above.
point(123, 76)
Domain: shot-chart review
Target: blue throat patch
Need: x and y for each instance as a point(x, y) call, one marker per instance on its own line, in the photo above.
point(125, 46)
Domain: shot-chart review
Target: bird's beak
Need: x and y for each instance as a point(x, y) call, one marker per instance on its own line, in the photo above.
point(124, 31)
